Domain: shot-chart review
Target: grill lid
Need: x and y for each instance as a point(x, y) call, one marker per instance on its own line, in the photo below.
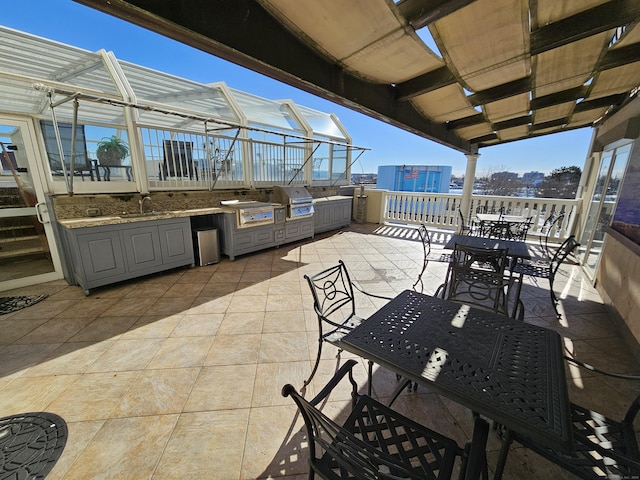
point(292, 195)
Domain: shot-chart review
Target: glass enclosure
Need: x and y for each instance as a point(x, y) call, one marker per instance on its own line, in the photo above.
point(110, 126)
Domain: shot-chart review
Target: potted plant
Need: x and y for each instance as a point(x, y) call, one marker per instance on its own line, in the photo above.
point(112, 150)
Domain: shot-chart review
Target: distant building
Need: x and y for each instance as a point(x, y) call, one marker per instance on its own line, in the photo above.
point(533, 178)
point(414, 178)
point(504, 176)
point(364, 178)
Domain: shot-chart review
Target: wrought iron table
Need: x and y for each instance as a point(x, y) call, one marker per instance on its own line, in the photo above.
point(517, 248)
point(507, 370)
point(499, 224)
point(30, 444)
point(497, 217)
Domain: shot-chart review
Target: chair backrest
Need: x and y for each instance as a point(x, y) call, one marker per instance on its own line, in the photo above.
point(498, 229)
point(332, 292)
point(81, 160)
point(551, 223)
point(350, 456)
point(178, 159)
point(519, 230)
point(425, 238)
point(463, 225)
point(335, 452)
point(562, 252)
point(477, 276)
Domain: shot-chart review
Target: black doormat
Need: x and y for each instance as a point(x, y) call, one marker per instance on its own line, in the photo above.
point(12, 304)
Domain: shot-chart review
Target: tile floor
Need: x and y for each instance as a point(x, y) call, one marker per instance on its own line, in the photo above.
point(178, 375)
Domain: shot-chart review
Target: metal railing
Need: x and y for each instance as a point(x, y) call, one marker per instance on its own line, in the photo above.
point(440, 210)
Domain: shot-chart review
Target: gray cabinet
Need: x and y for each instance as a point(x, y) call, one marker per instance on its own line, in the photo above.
point(238, 241)
point(298, 229)
point(112, 253)
point(332, 213)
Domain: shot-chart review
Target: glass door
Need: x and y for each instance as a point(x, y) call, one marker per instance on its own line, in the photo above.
point(27, 256)
point(602, 205)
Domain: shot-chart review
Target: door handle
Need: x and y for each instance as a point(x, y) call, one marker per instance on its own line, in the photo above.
point(41, 212)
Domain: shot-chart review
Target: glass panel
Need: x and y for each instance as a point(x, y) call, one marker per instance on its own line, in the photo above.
point(24, 249)
point(339, 162)
point(602, 205)
point(322, 123)
point(321, 165)
point(261, 112)
point(185, 95)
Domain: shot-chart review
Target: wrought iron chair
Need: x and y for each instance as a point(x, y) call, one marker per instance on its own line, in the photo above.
point(548, 270)
point(425, 238)
point(335, 306)
point(550, 225)
point(479, 277)
point(464, 228)
point(497, 229)
point(376, 442)
point(602, 448)
point(519, 230)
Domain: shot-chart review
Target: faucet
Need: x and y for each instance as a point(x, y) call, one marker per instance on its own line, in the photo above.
point(141, 202)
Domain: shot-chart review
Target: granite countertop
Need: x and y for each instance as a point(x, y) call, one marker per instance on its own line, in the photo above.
point(133, 217)
point(333, 197)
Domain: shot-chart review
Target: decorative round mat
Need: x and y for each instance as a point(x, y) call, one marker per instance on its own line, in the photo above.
point(12, 304)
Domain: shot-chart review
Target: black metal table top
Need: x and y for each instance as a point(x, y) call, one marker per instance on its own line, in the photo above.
point(497, 217)
point(517, 248)
point(508, 370)
point(30, 444)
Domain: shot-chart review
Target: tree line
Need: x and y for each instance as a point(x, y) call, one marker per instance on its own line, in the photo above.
point(560, 183)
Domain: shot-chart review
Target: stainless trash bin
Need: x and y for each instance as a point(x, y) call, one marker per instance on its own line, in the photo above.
point(207, 247)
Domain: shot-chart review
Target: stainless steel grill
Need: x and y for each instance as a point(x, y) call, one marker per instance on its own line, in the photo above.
point(250, 214)
point(298, 200)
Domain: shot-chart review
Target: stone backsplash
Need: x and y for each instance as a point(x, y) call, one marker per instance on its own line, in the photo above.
point(80, 206)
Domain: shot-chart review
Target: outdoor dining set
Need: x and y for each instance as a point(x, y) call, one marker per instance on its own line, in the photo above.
point(468, 342)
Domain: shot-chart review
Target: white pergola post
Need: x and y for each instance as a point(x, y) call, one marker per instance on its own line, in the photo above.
point(467, 188)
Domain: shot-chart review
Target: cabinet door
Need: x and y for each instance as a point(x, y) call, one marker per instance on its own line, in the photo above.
point(322, 215)
point(175, 242)
point(342, 213)
point(142, 247)
point(280, 215)
point(101, 255)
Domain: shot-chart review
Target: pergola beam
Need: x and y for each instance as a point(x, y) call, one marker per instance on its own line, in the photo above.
point(243, 32)
point(420, 13)
point(615, 13)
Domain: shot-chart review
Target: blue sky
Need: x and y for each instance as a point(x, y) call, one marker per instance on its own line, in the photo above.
point(80, 26)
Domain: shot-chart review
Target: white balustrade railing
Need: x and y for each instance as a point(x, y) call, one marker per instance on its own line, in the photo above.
point(440, 210)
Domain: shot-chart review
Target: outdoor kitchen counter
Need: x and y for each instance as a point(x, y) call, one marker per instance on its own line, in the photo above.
point(136, 217)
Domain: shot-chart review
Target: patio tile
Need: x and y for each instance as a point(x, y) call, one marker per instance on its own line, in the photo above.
point(181, 352)
point(234, 350)
point(93, 396)
point(157, 392)
point(222, 387)
point(140, 441)
point(181, 373)
point(215, 442)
